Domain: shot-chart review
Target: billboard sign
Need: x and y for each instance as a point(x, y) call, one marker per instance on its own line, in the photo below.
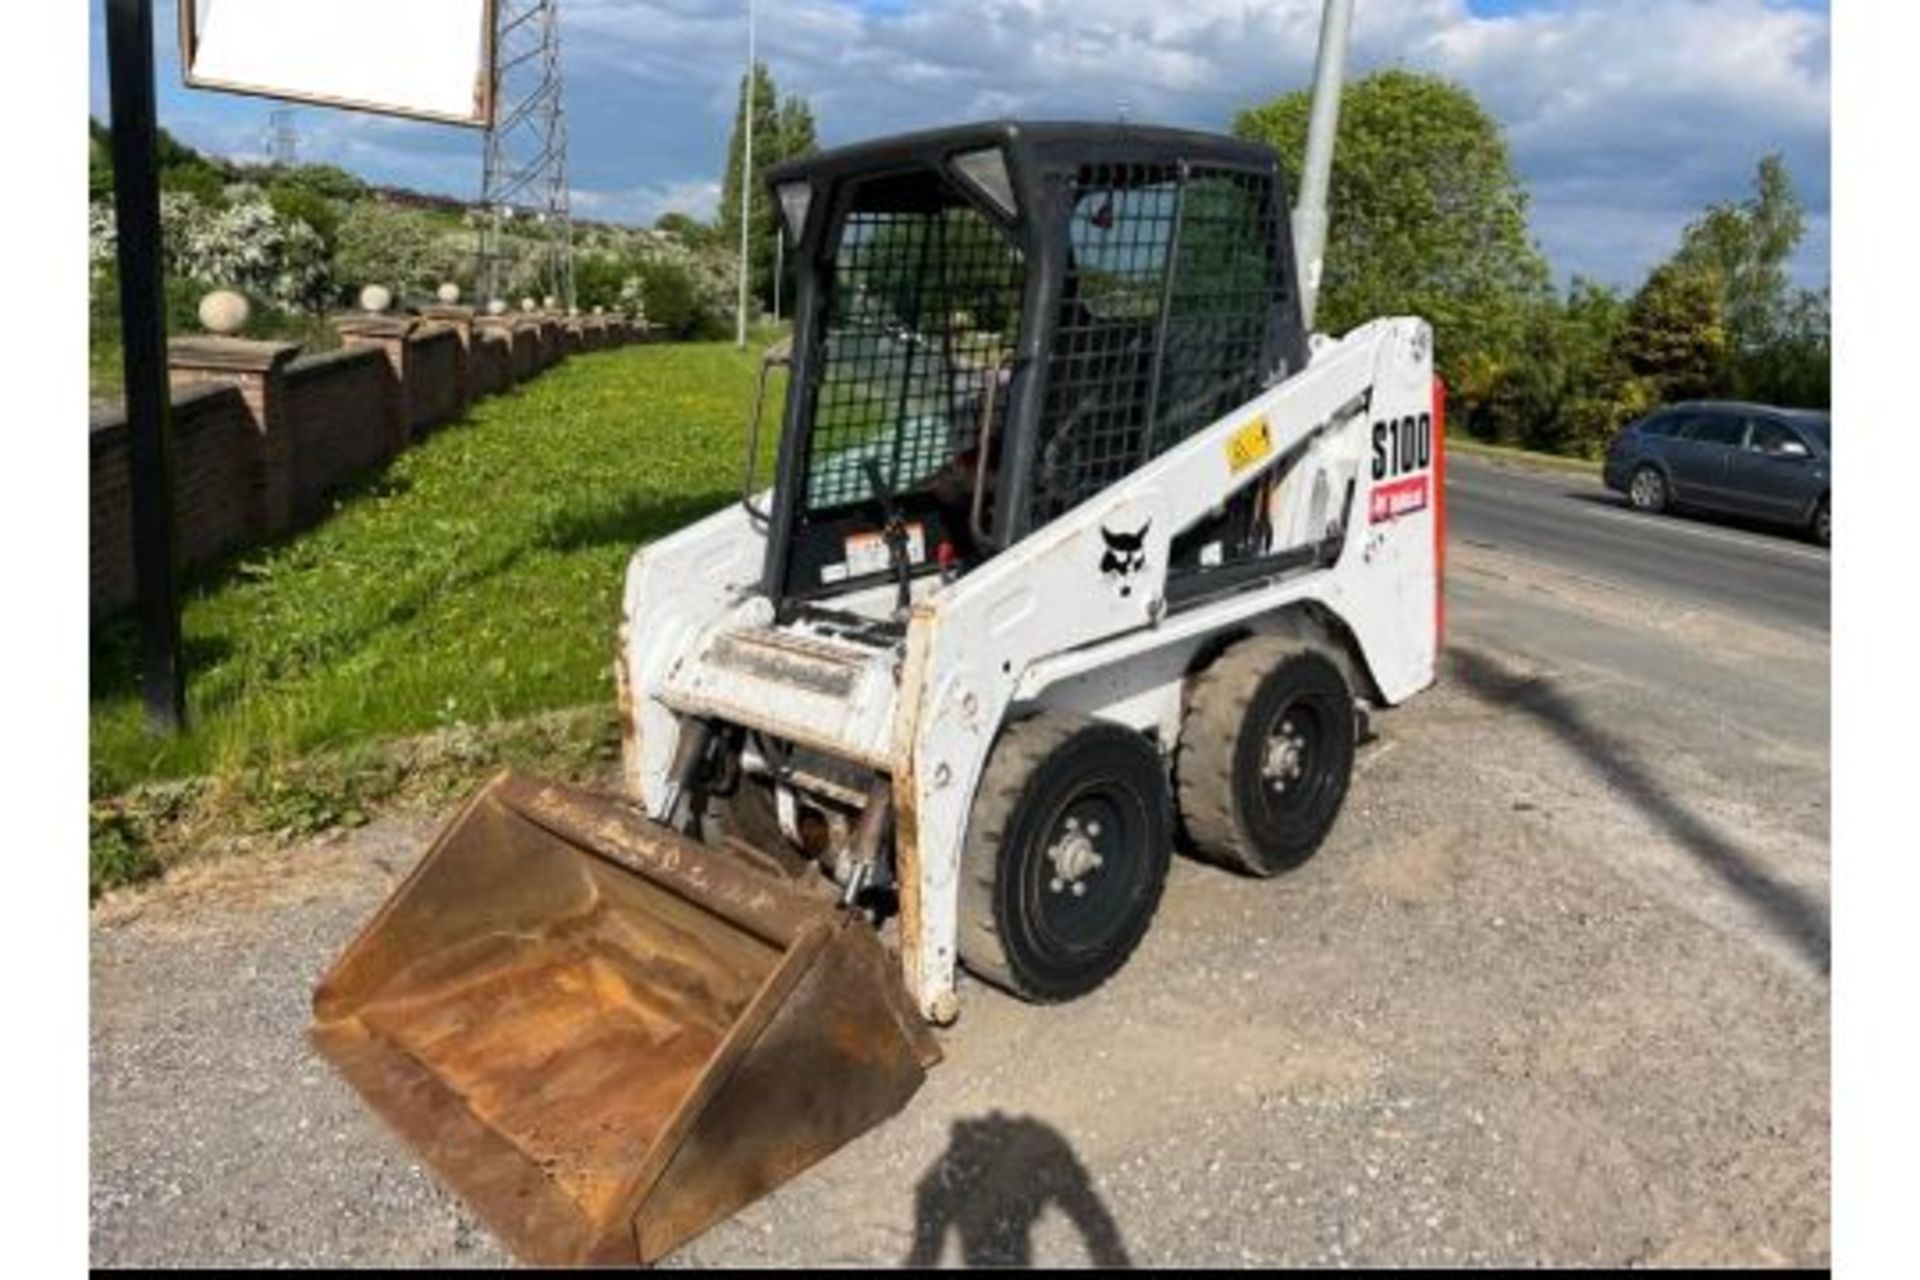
point(423, 59)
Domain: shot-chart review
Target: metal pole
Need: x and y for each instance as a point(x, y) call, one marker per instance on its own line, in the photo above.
point(136, 209)
point(1323, 125)
point(779, 267)
point(746, 184)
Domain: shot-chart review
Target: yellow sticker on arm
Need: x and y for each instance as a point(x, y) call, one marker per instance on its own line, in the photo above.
point(1249, 445)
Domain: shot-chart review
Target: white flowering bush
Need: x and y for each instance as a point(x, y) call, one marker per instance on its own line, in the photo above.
point(102, 244)
point(244, 245)
point(400, 249)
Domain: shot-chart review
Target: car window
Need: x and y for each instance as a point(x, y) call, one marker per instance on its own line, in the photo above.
point(1665, 424)
point(1771, 438)
point(1717, 429)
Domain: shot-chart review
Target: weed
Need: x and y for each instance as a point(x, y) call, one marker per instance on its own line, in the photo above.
point(116, 852)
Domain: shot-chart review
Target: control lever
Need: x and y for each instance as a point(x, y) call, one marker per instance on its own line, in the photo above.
point(895, 533)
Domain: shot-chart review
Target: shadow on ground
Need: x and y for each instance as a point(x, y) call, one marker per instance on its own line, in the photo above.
point(628, 521)
point(998, 1175)
point(1794, 915)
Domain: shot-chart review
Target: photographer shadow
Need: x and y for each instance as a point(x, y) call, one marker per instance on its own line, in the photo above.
point(998, 1175)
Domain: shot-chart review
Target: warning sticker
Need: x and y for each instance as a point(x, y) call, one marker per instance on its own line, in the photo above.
point(1249, 445)
point(867, 552)
point(1401, 498)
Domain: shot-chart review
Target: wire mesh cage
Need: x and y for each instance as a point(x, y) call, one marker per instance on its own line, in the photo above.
point(922, 307)
point(1166, 321)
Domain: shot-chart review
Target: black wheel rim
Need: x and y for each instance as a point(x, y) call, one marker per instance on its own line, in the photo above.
point(1083, 878)
point(1294, 765)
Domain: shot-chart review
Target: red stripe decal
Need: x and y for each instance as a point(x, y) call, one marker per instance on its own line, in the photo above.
point(1439, 516)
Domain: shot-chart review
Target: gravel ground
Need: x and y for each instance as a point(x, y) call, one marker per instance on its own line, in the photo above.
point(1554, 992)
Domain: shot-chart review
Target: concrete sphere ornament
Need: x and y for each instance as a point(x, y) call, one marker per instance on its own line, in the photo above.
point(498, 307)
point(224, 312)
point(448, 293)
point(376, 298)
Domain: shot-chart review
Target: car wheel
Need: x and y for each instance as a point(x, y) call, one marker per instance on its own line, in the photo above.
point(1647, 491)
point(1823, 522)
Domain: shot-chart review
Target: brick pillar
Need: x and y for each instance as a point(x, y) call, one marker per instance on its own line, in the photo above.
point(500, 327)
point(460, 320)
point(389, 335)
point(526, 347)
point(258, 369)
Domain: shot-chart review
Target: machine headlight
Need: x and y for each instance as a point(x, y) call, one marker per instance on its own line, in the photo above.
point(986, 172)
point(795, 197)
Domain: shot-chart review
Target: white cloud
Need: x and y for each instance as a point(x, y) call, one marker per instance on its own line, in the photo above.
point(1624, 116)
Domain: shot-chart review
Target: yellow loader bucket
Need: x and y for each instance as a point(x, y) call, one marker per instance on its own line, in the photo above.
point(606, 1037)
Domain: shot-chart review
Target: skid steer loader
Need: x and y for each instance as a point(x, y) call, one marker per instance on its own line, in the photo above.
point(1077, 545)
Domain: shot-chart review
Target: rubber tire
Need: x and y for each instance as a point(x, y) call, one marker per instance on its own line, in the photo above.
point(1037, 768)
point(1663, 501)
point(1231, 708)
point(1820, 528)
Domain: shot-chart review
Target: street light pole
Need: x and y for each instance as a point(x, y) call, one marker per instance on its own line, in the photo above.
point(1323, 125)
point(746, 185)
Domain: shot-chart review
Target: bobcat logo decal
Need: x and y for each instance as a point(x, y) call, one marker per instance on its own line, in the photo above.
point(1125, 556)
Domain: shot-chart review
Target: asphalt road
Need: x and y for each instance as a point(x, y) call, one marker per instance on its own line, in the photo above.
point(1576, 523)
point(1555, 991)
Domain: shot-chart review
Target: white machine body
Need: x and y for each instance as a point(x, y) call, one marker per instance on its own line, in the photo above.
point(1351, 448)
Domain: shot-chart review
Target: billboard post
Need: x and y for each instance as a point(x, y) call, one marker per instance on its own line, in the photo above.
point(136, 209)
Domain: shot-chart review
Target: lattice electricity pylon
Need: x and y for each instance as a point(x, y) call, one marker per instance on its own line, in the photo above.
point(283, 138)
point(526, 159)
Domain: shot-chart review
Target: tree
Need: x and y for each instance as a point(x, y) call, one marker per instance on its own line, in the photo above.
point(1796, 369)
point(782, 130)
point(1559, 392)
point(330, 182)
point(301, 204)
point(1777, 344)
point(1675, 334)
point(99, 161)
point(382, 244)
point(1744, 249)
point(1427, 217)
point(692, 232)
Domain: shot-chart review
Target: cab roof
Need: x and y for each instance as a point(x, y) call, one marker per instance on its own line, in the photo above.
point(1051, 144)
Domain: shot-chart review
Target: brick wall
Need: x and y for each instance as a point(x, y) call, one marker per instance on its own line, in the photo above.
point(338, 422)
point(492, 361)
point(433, 378)
point(259, 440)
point(110, 518)
point(213, 508)
point(526, 351)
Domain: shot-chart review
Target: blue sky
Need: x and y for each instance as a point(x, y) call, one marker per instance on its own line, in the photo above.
point(1624, 116)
